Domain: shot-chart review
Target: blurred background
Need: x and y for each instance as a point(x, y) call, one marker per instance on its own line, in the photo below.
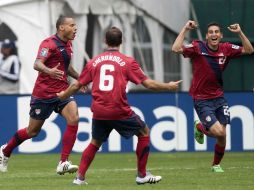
point(149, 27)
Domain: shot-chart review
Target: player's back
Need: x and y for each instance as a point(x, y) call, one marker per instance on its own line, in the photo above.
point(110, 77)
point(110, 73)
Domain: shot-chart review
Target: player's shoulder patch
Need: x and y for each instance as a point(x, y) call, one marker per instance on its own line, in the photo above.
point(235, 46)
point(188, 45)
point(44, 52)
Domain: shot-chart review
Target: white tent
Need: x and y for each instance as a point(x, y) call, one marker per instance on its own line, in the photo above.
point(34, 20)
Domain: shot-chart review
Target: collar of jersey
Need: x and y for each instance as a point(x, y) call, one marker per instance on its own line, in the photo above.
point(111, 49)
point(212, 49)
point(57, 37)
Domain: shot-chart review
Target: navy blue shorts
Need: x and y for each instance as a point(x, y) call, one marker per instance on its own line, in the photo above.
point(127, 128)
point(41, 109)
point(212, 110)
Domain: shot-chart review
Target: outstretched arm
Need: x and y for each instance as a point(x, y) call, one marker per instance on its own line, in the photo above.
point(72, 89)
point(160, 86)
point(247, 47)
point(177, 46)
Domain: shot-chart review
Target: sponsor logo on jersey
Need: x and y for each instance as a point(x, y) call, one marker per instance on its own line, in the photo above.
point(44, 52)
point(203, 53)
point(235, 46)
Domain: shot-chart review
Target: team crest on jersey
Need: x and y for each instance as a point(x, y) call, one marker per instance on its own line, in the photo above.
point(235, 46)
point(37, 111)
point(44, 52)
point(188, 45)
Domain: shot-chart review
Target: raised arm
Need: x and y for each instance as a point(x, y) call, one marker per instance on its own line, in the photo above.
point(247, 47)
point(177, 46)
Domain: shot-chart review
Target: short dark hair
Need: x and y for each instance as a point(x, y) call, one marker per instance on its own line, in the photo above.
point(61, 20)
point(113, 37)
point(213, 24)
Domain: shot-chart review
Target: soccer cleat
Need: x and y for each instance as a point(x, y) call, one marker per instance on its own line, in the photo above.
point(3, 160)
point(66, 167)
point(199, 136)
point(217, 169)
point(149, 178)
point(77, 181)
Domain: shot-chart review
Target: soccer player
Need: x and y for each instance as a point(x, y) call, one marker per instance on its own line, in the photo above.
point(53, 66)
point(110, 72)
point(210, 58)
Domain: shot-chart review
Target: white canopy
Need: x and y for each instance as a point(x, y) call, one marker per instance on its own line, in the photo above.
point(34, 20)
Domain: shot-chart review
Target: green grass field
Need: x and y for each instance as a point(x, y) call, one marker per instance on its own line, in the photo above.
point(183, 171)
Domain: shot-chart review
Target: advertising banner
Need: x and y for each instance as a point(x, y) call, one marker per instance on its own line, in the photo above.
point(170, 117)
